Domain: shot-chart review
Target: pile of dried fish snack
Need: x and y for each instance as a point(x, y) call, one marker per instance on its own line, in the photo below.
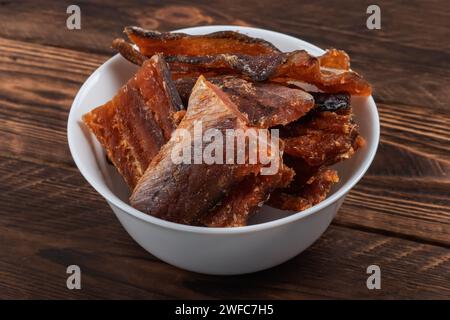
point(227, 80)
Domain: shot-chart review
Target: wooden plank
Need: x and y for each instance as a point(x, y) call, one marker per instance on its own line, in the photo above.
point(400, 206)
point(38, 86)
point(419, 130)
point(406, 189)
point(325, 20)
point(39, 239)
point(406, 60)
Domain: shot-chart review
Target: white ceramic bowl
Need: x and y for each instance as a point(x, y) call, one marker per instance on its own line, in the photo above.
point(272, 237)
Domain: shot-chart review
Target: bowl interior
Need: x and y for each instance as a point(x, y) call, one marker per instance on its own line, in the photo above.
point(102, 85)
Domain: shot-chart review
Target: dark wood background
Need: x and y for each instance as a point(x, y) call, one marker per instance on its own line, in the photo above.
point(397, 217)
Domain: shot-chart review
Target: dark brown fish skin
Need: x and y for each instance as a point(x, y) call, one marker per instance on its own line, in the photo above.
point(184, 86)
point(266, 104)
point(127, 51)
point(256, 68)
point(181, 192)
point(137, 122)
point(151, 42)
point(330, 101)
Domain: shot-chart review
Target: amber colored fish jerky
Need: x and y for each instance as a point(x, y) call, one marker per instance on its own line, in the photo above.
point(300, 65)
point(265, 104)
point(336, 59)
point(281, 67)
point(302, 197)
point(246, 198)
point(178, 70)
point(322, 138)
point(152, 42)
point(137, 122)
point(180, 191)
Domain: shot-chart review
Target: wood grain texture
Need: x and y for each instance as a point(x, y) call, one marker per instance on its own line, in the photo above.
point(38, 86)
point(398, 216)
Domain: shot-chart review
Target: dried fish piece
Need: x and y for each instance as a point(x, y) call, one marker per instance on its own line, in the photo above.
point(311, 144)
point(302, 197)
point(134, 125)
point(183, 192)
point(184, 86)
point(265, 104)
point(322, 138)
point(300, 65)
point(177, 69)
point(246, 198)
point(257, 68)
point(284, 68)
point(151, 42)
point(336, 59)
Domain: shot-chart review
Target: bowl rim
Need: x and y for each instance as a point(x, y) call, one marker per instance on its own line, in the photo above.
point(111, 198)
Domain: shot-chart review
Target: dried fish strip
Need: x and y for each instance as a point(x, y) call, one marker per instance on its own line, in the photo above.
point(151, 42)
point(137, 122)
point(283, 68)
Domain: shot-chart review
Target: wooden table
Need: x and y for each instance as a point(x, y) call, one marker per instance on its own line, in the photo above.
point(397, 217)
